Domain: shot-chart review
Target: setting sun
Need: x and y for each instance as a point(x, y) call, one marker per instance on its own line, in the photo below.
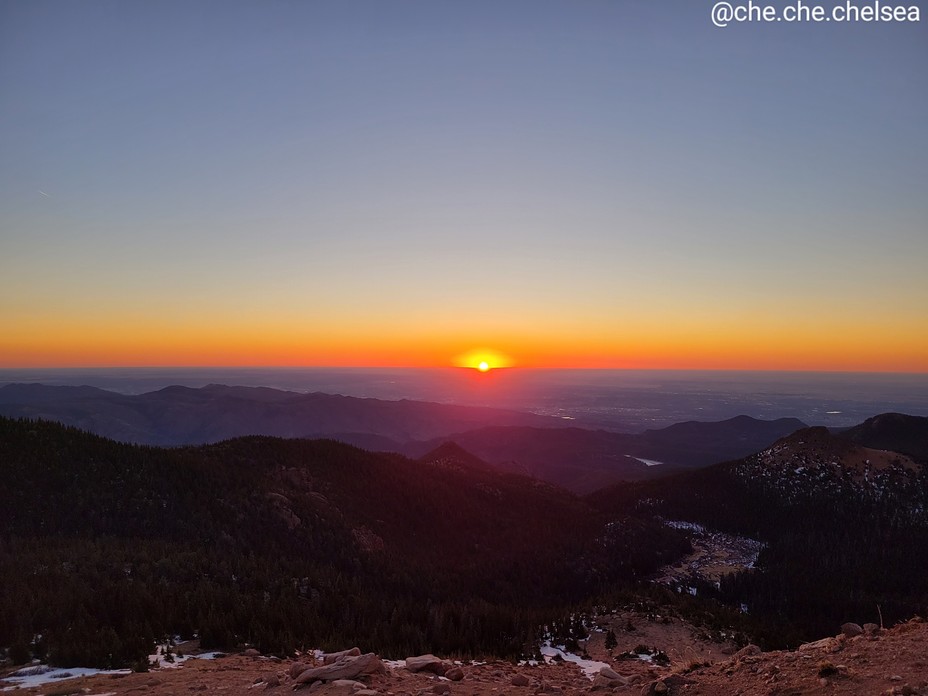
point(483, 359)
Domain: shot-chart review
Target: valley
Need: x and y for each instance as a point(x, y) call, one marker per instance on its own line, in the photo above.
point(278, 545)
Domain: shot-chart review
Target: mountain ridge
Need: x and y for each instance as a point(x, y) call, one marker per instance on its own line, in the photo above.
point(904, 433)
point(585, 460)
point(544, 447)
point(177, 415)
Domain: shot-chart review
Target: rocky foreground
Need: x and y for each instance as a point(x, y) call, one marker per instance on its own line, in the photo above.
point(858, 661)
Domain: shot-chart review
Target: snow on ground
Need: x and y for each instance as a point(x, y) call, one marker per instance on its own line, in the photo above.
point(689, 526)
point(159, 660)
point(646, 462)
point(589, 667)
point(40, 675)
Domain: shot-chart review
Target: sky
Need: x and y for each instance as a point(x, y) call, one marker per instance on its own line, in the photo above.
point(539, 183)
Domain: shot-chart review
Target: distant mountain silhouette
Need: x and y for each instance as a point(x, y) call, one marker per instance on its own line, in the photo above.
point(184, 416)
point(538, 446)
point(696, 443)
point(586, 460)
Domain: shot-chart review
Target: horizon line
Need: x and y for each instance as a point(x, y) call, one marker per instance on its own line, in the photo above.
point(517, 368)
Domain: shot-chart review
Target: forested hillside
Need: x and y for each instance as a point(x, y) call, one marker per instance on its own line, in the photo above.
point(281, 543)
point(846, 530)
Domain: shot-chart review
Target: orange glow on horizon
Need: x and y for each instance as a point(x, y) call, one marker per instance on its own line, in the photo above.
point(836, 346)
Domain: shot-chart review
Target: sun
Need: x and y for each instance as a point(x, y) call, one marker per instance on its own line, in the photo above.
point(483, 360)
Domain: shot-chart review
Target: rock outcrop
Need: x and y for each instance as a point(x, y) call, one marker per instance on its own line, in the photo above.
point(329, 658)
point(348, 667)
point(427, 663)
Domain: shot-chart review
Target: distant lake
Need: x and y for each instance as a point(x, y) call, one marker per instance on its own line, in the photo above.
point(625, 400)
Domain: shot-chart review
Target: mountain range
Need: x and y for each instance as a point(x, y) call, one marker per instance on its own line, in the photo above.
point(184, 416)
point(585, 460)
point(543, 447)
point(286, 542)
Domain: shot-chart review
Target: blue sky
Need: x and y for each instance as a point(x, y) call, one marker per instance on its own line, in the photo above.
point(499, 173)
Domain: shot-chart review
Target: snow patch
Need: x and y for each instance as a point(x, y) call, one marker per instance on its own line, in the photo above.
point(589, 667)
point(49, 675)
point(646, 462)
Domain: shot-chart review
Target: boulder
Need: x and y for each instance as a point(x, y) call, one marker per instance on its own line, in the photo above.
point(656, 688)
point(871, 629)
point(747, 651)
point(426, 663)
point(608, 678)
point(339, 687)
point(251, 652)
point(674, 684)
point(455, 674)
point(297, 668)
point(348, 667)
point(851, 629)
point(329, 658)
point(520, 680)
point(610, 673)
point(820, 644)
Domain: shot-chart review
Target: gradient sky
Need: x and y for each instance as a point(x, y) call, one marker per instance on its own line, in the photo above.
point(573, 183)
